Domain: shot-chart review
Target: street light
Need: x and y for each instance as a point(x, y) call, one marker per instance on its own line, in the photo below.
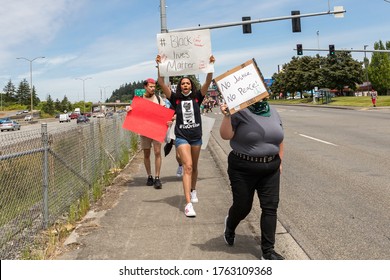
point(104, 88)
point(31, 85)
point(365, 66)
point(84, 88)
point(318, 39)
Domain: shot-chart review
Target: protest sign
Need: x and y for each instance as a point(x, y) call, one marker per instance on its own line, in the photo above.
point(207, 127)
point(148, 119)
point(242, 86)
point(184, 53)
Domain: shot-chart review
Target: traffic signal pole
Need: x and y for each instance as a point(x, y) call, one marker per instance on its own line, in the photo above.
point(340, 50)
point(222, 25)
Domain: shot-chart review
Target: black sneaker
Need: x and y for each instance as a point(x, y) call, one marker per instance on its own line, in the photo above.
point(150, 181)
point(228, 234)
point(272, 255)
point(157, 183)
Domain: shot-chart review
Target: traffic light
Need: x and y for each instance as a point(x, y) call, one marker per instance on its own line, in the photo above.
point(246, 28)
point(299, 49)
point(296, 22)
point(332, 52)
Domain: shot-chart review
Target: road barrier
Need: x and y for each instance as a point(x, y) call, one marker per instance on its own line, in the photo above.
point(43, 175)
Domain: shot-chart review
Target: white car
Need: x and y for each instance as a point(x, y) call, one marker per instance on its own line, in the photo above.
point(28, 118)
point(9, 125)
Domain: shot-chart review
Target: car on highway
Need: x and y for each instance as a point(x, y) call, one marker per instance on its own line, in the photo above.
point(9, 125)
point(4, 120)
point(74, 116)
point(28, 118)
point(82, 119)
point(64, 118)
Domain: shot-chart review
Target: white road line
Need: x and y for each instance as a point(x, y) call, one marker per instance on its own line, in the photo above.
point(319, 140)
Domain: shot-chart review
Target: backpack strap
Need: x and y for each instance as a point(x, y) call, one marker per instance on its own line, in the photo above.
point(158, 99)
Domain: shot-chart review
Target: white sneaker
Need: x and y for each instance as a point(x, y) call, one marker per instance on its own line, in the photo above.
point(189, 210)
point(179, 171)
point(194, 198)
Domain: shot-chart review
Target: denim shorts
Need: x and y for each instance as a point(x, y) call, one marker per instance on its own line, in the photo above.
point(179, 141)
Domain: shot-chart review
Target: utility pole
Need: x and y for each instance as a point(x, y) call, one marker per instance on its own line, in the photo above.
point(366, 66)
point(31, 85)
point(84, 88)
point(163, 17)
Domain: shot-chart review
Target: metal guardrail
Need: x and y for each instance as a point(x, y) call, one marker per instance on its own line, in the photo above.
point(43, 174)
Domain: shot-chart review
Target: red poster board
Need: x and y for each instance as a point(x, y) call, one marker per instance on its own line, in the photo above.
point(148, 119)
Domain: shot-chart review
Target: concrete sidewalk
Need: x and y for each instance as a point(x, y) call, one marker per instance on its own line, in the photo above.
point(137, 222)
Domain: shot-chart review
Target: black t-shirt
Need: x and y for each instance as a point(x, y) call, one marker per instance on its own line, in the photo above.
point(188, 118)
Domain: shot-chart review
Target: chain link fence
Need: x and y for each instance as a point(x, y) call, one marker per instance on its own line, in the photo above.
point(46, 171)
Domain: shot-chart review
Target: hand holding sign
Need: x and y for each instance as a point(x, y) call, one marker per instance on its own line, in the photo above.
point(148, 119)
point(184, 53)
point(241, 86)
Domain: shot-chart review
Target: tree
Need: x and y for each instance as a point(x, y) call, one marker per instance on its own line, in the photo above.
point(36, 99)
point(23, 94)
point(341, 71)
point(66, 105)
point(9, 93)
point(58, 105)
point(48, 106)
point(379, 69)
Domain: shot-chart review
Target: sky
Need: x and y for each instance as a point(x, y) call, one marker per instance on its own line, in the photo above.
point(111, 43)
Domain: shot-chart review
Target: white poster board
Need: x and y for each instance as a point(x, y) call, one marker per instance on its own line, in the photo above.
point(242, 86)
point(185, 53)
point(207, 127)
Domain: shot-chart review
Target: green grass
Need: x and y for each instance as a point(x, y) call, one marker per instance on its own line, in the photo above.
point(361, 101)
point(353, 101)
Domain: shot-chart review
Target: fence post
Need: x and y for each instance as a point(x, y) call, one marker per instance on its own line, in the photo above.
point(45, 163)
point(116, 140)
point(92, 153)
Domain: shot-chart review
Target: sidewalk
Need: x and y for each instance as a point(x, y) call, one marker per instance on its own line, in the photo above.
point(137, 222)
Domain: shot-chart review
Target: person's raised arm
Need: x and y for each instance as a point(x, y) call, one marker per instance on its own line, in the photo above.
point(209, 78)
point(166, 90)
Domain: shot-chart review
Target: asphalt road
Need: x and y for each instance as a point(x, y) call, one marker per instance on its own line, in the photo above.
point(335, 198)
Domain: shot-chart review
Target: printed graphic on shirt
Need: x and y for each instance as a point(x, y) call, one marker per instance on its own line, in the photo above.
point(188, 114)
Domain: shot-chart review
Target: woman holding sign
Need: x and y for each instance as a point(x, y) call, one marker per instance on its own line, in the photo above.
point(256, 137)
point(186, 102)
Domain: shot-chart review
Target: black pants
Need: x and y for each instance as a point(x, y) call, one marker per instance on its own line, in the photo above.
point(246, 177)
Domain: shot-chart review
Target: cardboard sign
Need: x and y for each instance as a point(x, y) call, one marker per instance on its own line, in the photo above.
point(148, 119)
point(184, 53)
point(242, 86)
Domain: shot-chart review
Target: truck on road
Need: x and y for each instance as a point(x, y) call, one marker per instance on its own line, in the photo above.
point(64, 118)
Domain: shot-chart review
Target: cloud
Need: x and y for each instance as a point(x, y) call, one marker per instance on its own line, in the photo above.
point(38, 20)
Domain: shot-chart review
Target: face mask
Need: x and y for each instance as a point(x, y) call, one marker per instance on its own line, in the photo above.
point(187, 93)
